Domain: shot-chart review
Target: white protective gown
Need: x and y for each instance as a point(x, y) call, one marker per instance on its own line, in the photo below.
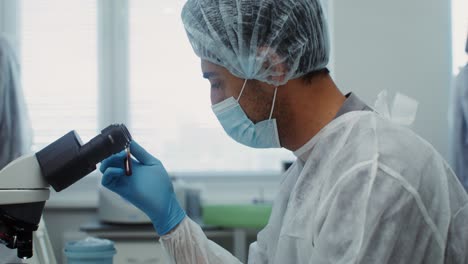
point(363, 190)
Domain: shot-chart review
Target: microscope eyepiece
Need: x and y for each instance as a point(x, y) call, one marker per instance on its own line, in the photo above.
point(67, 160)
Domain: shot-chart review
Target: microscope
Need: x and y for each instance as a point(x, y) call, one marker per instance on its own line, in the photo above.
point(24, 183)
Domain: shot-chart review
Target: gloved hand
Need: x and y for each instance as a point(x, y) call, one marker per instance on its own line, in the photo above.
point(149, 187)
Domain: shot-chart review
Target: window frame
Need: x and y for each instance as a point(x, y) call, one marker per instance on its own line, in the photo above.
point(113, 55)
point(113, 62)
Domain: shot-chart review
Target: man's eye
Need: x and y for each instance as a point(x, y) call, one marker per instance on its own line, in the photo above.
point(215, 85)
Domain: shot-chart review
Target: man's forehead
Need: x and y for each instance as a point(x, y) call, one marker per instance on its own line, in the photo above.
point(209, 66)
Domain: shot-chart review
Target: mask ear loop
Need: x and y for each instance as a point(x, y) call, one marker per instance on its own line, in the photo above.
point(273, 103)
point(242, 90)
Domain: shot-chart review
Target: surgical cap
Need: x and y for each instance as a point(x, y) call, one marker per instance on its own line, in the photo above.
point(259, 39)
point(15, 129)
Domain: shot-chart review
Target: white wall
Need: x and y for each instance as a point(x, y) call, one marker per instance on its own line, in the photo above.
point(397, 45)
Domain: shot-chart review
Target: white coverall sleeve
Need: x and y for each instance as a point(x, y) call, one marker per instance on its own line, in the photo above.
point(375, 218)
point(188, 244)
point(458, 238)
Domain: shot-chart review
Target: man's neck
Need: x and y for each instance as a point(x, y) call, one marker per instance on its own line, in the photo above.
point(305, 108)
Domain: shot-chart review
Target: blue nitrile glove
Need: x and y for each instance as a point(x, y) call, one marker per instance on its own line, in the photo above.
point(149, 187)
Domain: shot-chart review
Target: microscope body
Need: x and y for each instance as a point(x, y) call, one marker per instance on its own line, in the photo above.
point(24, 183)
point(21, 181)
point(23, 193)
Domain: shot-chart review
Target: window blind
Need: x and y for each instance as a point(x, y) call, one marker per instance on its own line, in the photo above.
point(170, 102)
point(59, 67)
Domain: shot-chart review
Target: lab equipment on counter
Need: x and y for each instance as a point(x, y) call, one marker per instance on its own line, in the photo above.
point(24, 183)
point(253, 216)
point(114, 209)
point(90, 251)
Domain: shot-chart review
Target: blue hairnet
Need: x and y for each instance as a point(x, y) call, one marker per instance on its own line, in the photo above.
point(15, 130)
point(259, 39)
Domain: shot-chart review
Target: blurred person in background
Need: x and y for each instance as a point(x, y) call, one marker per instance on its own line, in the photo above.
point(15, 129)
point(459, 124)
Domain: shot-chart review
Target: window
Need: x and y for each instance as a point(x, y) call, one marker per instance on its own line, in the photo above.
point(170, 103)
point(59, 67)
point(460, 32)
point(169, 111)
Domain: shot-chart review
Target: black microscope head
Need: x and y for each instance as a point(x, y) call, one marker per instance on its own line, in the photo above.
point(62, 163)
point(67, 160)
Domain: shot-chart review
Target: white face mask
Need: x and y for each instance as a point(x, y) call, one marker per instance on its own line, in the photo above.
point(239, 127)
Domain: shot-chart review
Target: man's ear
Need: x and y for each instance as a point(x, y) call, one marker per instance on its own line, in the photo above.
point(274, 64)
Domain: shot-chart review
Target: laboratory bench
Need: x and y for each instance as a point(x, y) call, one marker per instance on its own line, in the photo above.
point(138, 243)
point(73, 215)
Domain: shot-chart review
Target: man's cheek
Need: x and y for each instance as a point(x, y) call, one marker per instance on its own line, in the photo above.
point(217, 96)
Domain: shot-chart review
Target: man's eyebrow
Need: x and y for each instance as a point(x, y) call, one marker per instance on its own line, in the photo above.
point(208, 75)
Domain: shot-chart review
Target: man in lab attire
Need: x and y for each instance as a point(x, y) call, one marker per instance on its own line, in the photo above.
point(362, 190)
point(459, 125)
point(15, 131)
